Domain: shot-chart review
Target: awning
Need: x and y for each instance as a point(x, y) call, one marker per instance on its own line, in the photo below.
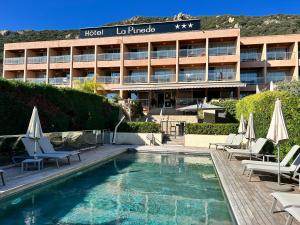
point(169, 86)
point(204, 106)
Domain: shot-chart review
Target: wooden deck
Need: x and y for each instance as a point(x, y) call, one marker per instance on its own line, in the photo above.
point(250, 201)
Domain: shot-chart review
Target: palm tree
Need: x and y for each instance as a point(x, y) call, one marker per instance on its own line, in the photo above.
point(89, 86)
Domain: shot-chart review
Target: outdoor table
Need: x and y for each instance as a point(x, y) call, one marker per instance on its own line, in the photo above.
point(38, 163)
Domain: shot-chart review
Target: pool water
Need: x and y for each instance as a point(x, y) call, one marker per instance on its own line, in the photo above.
point(132, 189)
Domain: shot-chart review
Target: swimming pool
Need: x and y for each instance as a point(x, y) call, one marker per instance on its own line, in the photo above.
point(134, 188)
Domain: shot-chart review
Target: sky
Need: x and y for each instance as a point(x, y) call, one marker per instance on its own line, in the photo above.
point(75, 14)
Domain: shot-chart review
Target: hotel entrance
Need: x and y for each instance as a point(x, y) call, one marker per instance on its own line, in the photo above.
point(163, 99)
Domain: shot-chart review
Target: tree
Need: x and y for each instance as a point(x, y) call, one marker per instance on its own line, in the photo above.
point(89, 86)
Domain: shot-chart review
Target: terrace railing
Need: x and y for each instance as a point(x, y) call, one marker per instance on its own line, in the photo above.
point(279, 55)
point(221, 76)
point(135, 79)
point(277, 78)
point(252, 79)
point(84, 58)
point(59, 80)
point(83, 79)
point(60, 59)
point(37, 80)
point(163, 78)
point(136, 55)
point(196, 52)
point(217, 51)
point(108, 57)
point(16, 79)
point(14, 61)
point(37, 60)
point(161, 54)
point(250, 56)
point(191, 77)
point(109, 79)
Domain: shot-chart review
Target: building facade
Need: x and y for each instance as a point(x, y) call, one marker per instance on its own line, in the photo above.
point(168, 70)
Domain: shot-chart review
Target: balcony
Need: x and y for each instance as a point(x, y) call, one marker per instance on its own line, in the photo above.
point(279, 55)
point(37, 60)
point(195, 52)
point(219, 51)
point(162, 54)
point(108, 79)
point(84, 58)
point(276, 77)
point(59, 80)
point(221, 76)
point(164, 78)
point(60, 59)
point(14, 61)
point(136, 79)
point(37, 80)
point(83, 79)
point(252, 78)
point(250, 56)
point(136, 55)
point(16, 79)
point(191, 77)
point(108, 57)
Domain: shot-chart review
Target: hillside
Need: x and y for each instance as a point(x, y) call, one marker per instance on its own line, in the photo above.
point(249, 25)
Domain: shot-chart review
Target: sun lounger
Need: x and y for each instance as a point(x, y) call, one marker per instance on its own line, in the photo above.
point(294, 213)
point(295, 150)
point(229, 140)
point(256, 149)
point(290, 171)
point(48, 148)
point(2, 177)
point(30, 146)
point(285, 199)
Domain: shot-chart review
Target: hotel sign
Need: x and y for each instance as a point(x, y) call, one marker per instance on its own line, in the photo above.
point(140, 29)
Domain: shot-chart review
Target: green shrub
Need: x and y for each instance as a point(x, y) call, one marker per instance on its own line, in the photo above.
point(293, 87)
point(60, 109)
point(211, 128)
point(230, 109)
point(139, 127)
point(262, 105)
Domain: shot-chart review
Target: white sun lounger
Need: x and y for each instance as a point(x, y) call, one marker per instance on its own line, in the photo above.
point(30, 146)
point(236, 142)
point(294, 213)
point(255, 149)
point(291, 171)
point(229, 140)
point(295, 150)
point(48, 148)
point(285, 199)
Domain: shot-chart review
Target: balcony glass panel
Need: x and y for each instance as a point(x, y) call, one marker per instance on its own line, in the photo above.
point(59, 80)
point(191, 75)
point(109, 56)
point(109, 79)
point(138, 76)
point(83, 79)
point(60, 59)
point(279, 55)
point(37, 60)
point(276, 76)
point(136, 55)
point(14, 61)
point(221, 49)
point(248, 56)
point(161, 54)
point(251, 78)
point(163, 76)
point(16, 78)
point(193, 52)
point(221, 74)
point(84, 58)
point(37, 80)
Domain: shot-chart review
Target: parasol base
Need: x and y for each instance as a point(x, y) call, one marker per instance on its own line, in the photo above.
point(280, 187)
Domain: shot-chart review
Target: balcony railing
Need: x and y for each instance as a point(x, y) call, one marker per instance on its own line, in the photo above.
point(136, 55)
point(280, 55)
point(196, 52)
point(37, 80)
point(83, 79)
point(37, 60)
point(14, 61)
point(84, 58)
point(217, 51)
point(60, 59)
point(163, 78)
point(161, 54)
point(277, 78)
point(108, 57)
point(108, 79)
point(221, 76)
point(182, 102)
point(135, 79)
point(16, 79)
point(191, 77)
point(252, 78)
point(59, 80)
point(250, 56)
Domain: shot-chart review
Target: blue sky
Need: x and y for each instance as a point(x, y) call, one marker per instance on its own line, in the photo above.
point(74, 14)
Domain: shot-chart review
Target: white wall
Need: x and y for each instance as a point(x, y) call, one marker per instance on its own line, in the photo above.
point(198, 140)
point(137, 138)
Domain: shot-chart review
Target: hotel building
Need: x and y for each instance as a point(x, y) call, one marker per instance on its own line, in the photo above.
point(160, 69)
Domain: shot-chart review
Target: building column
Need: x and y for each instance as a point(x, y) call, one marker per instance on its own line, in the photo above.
point(177, 61)
point(264, 58)
point(25, 64)
point(238, 64)
point(149, 70)
point(71, 66)
point(3, 64)
point(122, 47)
point(48, 65)
point(95, 67)
point(295, 53)
point(206, 59)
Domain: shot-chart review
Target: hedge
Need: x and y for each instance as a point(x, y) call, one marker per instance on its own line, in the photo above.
point(60, 109)
point(139, 127)
point(230, 109)
point(262, 105)
point(211, 128)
